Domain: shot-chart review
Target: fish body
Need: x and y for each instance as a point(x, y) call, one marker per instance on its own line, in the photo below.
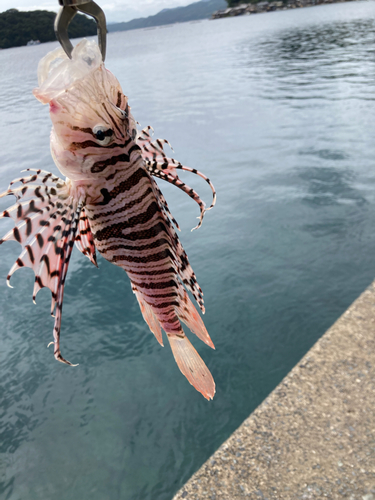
point(109, 202)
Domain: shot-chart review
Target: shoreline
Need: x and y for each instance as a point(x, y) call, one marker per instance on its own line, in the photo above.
point(313, 437)
point(270, 6)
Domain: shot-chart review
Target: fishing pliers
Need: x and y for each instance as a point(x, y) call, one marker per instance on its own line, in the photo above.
point(69, 9)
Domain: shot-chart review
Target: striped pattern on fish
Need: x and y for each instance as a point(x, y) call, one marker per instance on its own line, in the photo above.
point(108, 203)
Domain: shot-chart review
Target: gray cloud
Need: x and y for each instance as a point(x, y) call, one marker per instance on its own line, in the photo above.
point(115, 10)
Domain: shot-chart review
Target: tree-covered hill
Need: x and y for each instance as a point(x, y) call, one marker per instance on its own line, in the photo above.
point(191, 12)
point(235, 3)
point(17, 28)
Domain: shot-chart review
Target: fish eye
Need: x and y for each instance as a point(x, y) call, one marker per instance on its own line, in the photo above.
point(102, 134)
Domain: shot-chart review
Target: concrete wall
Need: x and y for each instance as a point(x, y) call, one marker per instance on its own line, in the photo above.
point(314, 436)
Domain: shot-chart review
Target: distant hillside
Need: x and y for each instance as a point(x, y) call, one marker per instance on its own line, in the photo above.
point(17, 28)
point(192, 12)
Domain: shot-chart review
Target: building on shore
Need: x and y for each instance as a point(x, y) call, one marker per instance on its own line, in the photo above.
point(266, 6)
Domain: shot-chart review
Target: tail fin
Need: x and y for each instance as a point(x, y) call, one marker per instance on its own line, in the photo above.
point(189, 315)
point(192, 365)
point(187, 358)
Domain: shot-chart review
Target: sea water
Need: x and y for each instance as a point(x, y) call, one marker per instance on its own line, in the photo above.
point(278, 110)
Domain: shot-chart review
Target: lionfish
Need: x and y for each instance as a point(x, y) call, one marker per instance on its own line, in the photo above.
point(109, 202)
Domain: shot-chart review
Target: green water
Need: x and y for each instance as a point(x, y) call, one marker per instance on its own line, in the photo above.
point(278, 110)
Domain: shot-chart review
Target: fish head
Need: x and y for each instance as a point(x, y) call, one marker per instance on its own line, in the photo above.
point(90, 115)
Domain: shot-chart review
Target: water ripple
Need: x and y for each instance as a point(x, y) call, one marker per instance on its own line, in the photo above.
point(278, 109)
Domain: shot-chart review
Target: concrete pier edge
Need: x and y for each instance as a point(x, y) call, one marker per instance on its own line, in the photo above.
point(314, 435)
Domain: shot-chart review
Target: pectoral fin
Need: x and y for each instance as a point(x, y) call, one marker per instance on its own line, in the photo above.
point(46, 219)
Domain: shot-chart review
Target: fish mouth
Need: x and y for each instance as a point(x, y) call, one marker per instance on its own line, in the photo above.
point(57, 73)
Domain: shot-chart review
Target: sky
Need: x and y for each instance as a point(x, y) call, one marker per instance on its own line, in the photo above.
point(115, 10)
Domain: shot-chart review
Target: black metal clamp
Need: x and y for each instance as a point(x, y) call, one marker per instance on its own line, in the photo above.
point(69, 9)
